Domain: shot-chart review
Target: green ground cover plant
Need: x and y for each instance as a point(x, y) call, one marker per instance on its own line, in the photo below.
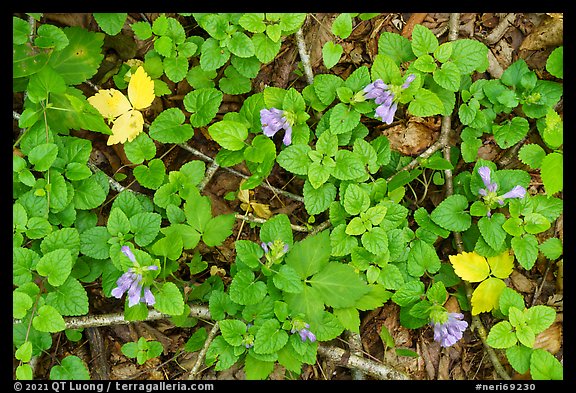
point(285, 293)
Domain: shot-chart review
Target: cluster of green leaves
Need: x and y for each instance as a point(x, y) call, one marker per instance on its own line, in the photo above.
point(379, 249)
point(143, 350)
point(517, 336)
point(270, 292)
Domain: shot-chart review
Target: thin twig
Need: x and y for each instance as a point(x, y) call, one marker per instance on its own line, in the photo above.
point(211, 335)
point(258, 220)
point(476, 322)
point(335, 354)
point(304, 57)
point(209, 174)
point(355, 344)
point(239, 174)
point(498, 32)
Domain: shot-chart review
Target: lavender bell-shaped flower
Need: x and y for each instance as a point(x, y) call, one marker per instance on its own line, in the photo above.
point(449, 332)
point(274, 120)
point(304, 333)
point(131, 282)
point(385, 97)
point(491, 187)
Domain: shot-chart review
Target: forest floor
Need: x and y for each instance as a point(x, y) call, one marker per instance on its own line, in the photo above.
point(529, 36)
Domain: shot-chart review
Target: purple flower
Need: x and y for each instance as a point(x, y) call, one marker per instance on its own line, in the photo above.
point(304, 333)
point(385, 97)
point(449, 332)
point(408, 81)
point(491, 188)
point(131, 282)
point(273, 120)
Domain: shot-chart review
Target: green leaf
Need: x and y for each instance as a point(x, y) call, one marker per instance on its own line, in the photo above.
point(469, 55)
point(425, 103)
point(526, 250)
point(203, 104)
point(142, 30)
point(43, 156)
point(331, 53)
point(510, 298)
point(519, 358)
point(544, 366)
point(48, 319)
point(409, 293)
point(270, 337)
point(24, 352)
point(510, 132)
point(245, 290)
point(145, 227)
point(21, 303)
point(555, 62)
point(212, 56)
point(532, 155)
point(118, 223)
point(151, 176)
point(325, 86)
point(502, 335)
point(535, 223)
point(217, 229)
point(233, 331)
point(349, 165)
point(338, 285)
point(71, 368)
point(425, 63)
point(277, 228)
point(356, 200)
point(253, 22)
point(94, 242)
point(80, 59)
point(288, 280)
point(38, 227)
point(294, 158)
point(540, 318)
point(265, 48)
point(176, 68)
point(492, 230)
point(310, 255)
point(450, 214)
point(422, 258)
point(423, 41)
point(56, 266)
point(169, 127)
point(397, 47)
point(448, 76)
point(318, 200)
point(70, 298)
point(241, 45)
point(551, 248)
point(233, 82)
point(140, 149)
point(89, 193)
point(169, 299)
point(343, 119)
point(342, 25)
point(169, 247)
point(552, 172)
point(375, 240)
point(229, 134)
point(110, 22)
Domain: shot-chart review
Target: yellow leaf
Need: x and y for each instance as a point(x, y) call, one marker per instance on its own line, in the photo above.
point(111, 103)
point(501, 265)
point(141, 89)
point(126, 127)
point(244, 196)
point(261, 210)
point(486, 295)
point(470, 266)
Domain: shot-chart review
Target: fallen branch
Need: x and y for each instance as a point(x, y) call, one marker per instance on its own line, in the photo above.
point(304, 57)
point(498, 32)
point(335, 354)
point(211, 335)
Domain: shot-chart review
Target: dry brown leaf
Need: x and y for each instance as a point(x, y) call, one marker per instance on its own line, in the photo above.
point(260, 209)
point(549, 33)
point(521, 283)
point(550, 339)
point(415, 136)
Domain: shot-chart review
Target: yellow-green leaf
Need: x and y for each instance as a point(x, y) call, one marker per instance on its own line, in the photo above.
point(501, 265)
point(486, 295)
point(470, 266)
